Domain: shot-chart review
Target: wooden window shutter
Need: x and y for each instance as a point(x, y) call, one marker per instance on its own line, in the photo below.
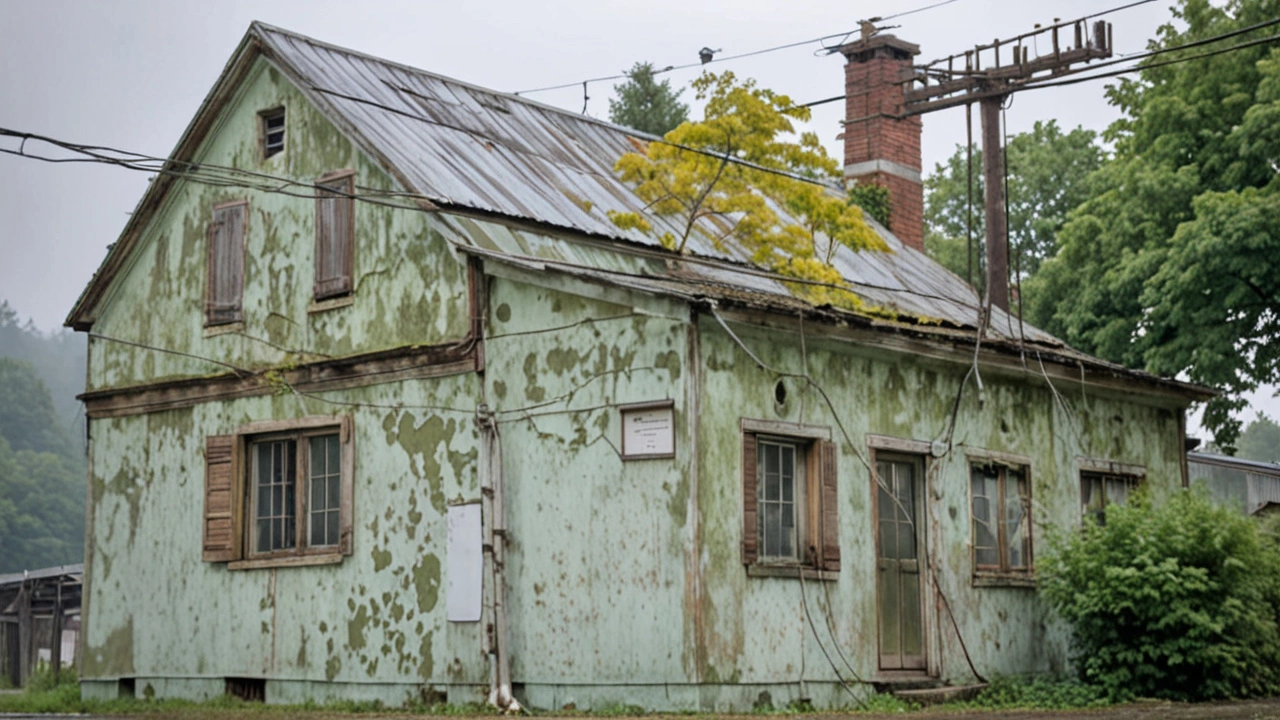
point(829, 507)
point(221, 541)
point(347, 508)
point(750, 504)
point(225, 286)
point(335, 237)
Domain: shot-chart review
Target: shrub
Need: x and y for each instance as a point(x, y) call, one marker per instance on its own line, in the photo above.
point(1039, 693)
point(1176, 601)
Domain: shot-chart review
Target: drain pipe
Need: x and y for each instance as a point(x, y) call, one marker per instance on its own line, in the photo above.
point(495, 542)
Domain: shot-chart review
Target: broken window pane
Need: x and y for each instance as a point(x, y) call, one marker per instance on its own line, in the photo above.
point(1001, 502)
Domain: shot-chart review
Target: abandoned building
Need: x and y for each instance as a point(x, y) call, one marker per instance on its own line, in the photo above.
point(422, 422)
point(39, 621)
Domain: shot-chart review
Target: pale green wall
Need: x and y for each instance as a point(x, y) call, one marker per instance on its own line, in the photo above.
point(156, 610)
point(409, 285)
point(756, 630)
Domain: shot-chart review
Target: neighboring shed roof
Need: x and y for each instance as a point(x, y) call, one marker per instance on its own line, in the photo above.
point(464, 149)
point(1247, 484)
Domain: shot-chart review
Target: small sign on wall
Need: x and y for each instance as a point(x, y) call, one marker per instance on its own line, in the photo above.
point(648, 430)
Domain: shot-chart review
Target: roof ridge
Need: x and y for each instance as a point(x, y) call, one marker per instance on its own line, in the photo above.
point(260, 28)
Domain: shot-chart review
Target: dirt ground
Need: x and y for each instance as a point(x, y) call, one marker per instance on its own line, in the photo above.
point(1243, 710)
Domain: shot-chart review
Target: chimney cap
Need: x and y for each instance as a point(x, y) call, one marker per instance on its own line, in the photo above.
point(890, 45)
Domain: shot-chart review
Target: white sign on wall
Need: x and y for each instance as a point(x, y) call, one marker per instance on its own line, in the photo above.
point(649, 430)
point(466, 563)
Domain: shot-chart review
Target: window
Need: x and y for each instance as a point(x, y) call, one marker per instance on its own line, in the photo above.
point(280, 468)
point(789, 497)
point(291, 481)
point(335, 234)
point(1098, 490)
point(780, 489)
point(224, 286)
point(272, 132)
point(1001, 518)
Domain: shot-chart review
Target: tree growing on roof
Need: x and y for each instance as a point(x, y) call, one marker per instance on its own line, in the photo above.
point(742, 173)
point(645, 104)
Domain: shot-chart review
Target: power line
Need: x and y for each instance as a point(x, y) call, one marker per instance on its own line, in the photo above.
point(377, 198)
point(1124, 71)
point(762, 51)
point(1059, 80)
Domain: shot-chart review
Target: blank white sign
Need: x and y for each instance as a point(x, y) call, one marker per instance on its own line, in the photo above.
point(466, 563)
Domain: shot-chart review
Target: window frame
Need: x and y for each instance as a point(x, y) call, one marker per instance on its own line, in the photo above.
point(326, 192)
point(1132, 482)
point(211, 275)
point(1004, 573)
point(802, 507)
point(264, 117)
point(302, 493)
point(812, 497)
point(243, 554)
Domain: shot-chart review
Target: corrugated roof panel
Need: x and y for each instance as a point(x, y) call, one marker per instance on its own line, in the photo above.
point(463, 146)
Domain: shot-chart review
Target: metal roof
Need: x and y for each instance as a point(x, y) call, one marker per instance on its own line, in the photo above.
point(478, 154)
point(41, 574)
point(461, 146)
point(1254, 466)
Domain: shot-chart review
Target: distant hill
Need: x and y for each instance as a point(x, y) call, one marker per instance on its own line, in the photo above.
point(42, 466)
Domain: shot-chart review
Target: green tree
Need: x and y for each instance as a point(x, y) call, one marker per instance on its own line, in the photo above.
point(726, 176)
point(58, 356)
point(42, 477)
point(1260, 440)
point(645, 104)
point(41, 509)
point(1172, 262)
point(1176, 601)
point(1048, 177)
point(27, 418)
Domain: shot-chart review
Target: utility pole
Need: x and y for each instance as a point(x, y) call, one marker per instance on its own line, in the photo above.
point(961, 79)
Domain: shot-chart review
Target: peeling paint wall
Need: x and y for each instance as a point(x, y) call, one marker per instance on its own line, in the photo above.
point(158, 611)
point(756, 630)
point(598, 573)
point(409, 287)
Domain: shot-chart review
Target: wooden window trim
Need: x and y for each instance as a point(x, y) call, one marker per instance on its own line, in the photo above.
point(347, 289)
point(240, 556)
point(263, 117)
point(820, 516)
point(1004, 574)
point(1107, 467)
point(899, 445)
point(210, 278)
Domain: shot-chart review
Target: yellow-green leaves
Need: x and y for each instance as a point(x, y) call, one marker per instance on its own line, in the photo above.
point(732, 175)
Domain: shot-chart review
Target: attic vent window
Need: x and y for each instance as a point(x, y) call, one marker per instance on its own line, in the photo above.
point(272, 132)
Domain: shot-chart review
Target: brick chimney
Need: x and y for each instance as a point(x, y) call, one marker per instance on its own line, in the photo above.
point(879, 147)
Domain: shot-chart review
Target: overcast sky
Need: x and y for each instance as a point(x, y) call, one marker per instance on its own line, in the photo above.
point(131, 75)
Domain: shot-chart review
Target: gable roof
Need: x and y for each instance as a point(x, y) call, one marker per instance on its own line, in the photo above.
point(463, 149)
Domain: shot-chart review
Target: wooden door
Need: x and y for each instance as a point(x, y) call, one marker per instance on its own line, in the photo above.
point(899, 550)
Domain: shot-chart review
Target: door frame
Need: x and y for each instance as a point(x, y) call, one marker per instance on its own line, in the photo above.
point(882, 447)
